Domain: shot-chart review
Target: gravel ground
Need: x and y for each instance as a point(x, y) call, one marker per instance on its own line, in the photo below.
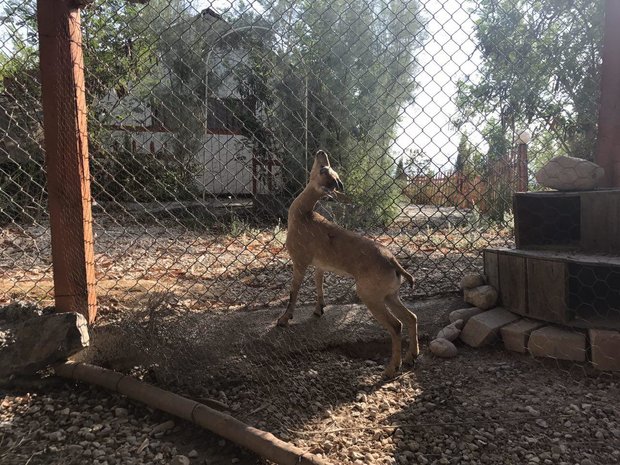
point(72, 424)
point(483, 407)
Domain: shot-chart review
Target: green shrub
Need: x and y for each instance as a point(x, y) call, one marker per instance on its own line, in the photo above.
point(375, 195)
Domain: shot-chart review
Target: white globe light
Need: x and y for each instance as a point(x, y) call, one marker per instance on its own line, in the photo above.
point(525, 137)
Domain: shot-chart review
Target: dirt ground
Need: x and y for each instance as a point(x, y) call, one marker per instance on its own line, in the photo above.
point(318, 384)
point(234, 265)
point(191, 309)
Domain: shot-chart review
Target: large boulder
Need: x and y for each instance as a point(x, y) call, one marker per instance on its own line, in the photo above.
point(38, 342)
point(570, 174)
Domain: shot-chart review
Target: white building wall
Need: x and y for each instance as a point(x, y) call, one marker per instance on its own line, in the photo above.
point(228, 168)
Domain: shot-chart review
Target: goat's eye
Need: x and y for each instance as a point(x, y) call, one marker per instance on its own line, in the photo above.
point(324, 170)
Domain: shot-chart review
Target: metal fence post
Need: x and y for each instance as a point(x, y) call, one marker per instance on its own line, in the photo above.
point(66, 156)
point(608, 149)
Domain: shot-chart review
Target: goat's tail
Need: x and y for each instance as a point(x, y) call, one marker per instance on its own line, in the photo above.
point(400, 271)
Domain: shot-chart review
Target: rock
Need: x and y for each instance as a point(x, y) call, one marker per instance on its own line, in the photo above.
point(483, 297)
point(570, 174)
point(443, 348)
point(560, 343)
point(469, 281)
point(450, 333)
point(162, 427)
point(484, 328)
point(605, 349)
point(458, 324)
point(192, 454)
point(120, 412)
point(42, 341)
point(17, 312)
point(179, 460)
point(464, 314)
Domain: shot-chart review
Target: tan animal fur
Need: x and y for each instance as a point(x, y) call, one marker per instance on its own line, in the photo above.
point(313, 240)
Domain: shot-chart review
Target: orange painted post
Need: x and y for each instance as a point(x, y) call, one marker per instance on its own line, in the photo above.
point(66, 156)
point(608, 149)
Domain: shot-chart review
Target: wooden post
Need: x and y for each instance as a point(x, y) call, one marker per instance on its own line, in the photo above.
point(608, 149)
point(66, 156)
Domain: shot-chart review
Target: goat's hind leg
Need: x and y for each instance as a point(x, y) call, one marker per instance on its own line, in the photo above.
point(409, 318)
point(298, 277)
point(392, 325)
point(319, 274)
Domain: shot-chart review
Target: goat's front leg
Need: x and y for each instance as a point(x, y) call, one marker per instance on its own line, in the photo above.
point(298, 276)
point(320, 302)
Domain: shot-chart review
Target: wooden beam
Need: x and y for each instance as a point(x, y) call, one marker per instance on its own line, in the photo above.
point(66, 156)
point(608, 148)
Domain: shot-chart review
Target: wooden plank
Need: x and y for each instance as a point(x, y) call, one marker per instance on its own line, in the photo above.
point(608, 146)
point(491, 264)
point(546, 194)
point(66, 156)
point(519, 220)
point(512, 283)
point(547, 290)
point(600, 224)
point(564, 256)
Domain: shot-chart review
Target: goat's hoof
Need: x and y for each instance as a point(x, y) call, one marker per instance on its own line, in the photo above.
point(319, 311)
point(389, 373)
point(283, 320)
point(410, 358)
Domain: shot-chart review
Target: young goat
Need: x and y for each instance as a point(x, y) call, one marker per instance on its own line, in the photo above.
point(313, 240)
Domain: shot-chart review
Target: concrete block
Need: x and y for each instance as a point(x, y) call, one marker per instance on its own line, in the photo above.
point(464, 314)
point(484, 328)
point(516, 335)
point(605, 346)
point(560, 343)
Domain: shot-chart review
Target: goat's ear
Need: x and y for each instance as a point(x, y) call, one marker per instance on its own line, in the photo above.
point(321, 158)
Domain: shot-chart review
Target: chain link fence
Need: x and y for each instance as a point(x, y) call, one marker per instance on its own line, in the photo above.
point(203, 121)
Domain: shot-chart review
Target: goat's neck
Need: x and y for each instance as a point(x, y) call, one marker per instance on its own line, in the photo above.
point(304, 203)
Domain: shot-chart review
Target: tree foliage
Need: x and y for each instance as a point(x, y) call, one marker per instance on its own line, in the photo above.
point(540, 68)
point(329, 74)
point(339, 73)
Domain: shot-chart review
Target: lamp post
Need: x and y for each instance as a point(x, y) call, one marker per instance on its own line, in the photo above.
point(523, 139)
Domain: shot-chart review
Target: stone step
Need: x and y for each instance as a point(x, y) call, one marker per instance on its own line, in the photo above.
point(484, 328)
point(558, 343)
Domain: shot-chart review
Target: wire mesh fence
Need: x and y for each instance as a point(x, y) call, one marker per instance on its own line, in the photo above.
point(203, 122)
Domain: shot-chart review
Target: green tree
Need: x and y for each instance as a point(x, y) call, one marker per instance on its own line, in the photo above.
point(499, 198)
point(353, 62)
point(540, 68)
point(464, 156)
point(121, 41)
